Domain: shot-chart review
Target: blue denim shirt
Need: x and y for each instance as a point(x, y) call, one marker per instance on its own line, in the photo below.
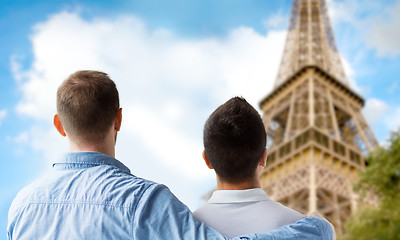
point(90, 195)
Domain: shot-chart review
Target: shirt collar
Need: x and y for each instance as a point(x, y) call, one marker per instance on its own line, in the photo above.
point(239, 196)
point(79, 160)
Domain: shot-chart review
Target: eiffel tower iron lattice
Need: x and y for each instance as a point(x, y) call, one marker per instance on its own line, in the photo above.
point(317, 134)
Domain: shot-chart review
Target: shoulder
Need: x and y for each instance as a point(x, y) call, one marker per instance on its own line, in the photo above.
point(27, 194)
point(198, 213)
point(202, 213)
point(157, 191)
point(123, 189)
point(286, 212)
point(127, 190)
point(101, 186)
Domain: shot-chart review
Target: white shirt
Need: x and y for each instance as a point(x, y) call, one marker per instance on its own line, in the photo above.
point(237, 212)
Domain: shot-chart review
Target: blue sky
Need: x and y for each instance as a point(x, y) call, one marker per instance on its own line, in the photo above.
point(174, 62)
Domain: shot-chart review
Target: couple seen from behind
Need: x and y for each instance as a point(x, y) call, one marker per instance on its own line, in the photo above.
point(91, 195)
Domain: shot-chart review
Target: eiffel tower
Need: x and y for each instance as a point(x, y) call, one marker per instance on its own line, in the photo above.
point(317, 134)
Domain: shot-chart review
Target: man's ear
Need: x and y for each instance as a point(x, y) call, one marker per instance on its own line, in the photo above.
point(118, 120)
point(59, 126)
point(263, 159)
point(206, 160)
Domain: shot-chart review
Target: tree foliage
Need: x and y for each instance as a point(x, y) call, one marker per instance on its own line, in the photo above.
point(381, 178)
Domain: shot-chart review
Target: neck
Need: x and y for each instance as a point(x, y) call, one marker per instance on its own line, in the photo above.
point(92, 148)
point(223, 185)
point(107, 146)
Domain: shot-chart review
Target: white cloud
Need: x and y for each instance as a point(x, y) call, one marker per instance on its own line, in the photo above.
point(382, 117)
point(277, 21)
point(3, 115)
point(354, 12)
point(393, 120)
point(16, 68)
point(384, 32)
point(21, 138)
point(168, 86)
point(342, 11)
point(350, 74)
point(166, 142)
point(375, 110)
point(376, 23)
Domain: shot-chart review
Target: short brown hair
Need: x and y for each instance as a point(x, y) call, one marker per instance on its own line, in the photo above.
point(87, 102)
point(234, 140)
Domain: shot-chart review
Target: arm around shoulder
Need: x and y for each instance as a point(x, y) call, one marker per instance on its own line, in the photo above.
point(307, 228)
point(160, 215)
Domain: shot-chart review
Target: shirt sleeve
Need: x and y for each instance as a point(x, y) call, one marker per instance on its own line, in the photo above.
point(160, 215)
point(305, 229)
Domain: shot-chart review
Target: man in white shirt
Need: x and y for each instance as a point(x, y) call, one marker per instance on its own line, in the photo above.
point(234, 146)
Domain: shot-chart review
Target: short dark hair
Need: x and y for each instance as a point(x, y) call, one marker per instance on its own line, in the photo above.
point(234, 140)
point(87, 102)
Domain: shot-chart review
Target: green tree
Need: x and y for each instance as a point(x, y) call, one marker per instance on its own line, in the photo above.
point(381, 178)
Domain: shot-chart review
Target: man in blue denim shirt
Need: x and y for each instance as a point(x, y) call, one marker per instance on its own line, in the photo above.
point(91, 195)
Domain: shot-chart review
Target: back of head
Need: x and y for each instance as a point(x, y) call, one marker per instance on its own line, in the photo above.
point(87, 102)
point(234, 140)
